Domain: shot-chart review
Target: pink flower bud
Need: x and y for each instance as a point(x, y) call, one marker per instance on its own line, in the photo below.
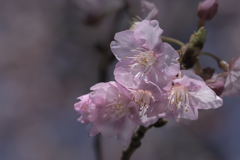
point(216, 85)
point(207, 9)
point(223, 65)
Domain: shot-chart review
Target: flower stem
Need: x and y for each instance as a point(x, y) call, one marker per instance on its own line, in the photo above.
point(137, 136)
point(211, 55)
point(172, 40)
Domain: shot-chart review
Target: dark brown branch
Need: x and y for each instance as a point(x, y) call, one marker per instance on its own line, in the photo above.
point(137, 136)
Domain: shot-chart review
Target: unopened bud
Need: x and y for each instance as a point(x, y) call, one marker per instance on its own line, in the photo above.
point(216, 85)
point(223, 65)
point(207, 9)
point(207, 73)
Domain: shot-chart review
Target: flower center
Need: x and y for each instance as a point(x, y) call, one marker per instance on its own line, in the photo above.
point(178, 99)
point(143, 100)
point(143, 60)
point(117, 107)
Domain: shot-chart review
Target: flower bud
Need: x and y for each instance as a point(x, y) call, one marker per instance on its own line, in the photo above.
point(207, 73)
point(216, 85)
point(207, 9)
point(223, 65)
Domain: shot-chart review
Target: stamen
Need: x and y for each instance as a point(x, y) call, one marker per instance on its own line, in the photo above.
point(178, 99)
point(143, 60)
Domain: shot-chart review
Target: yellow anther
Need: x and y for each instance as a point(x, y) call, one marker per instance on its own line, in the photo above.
point(127, 57)
point(85, 107)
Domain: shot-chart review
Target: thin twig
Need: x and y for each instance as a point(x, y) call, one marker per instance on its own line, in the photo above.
point(137, 136)
point(172, 40)
point(97, 146)
point(211, 55)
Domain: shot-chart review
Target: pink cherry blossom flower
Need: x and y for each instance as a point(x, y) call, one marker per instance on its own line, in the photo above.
point(188, 94)
point(232, 83)
point(115, 113)
point(143, 55)
point(147, 95)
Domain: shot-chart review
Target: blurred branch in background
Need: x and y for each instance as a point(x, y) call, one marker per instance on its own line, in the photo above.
point(105, 59)
point(172, 40)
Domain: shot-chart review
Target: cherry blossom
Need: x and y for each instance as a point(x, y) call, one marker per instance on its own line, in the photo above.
point(115, 112)
point(143, 55)
point(207, 9)
point(232, 83)
point(188, 94)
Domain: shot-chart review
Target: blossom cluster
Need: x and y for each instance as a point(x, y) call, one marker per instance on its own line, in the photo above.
point(150, 84)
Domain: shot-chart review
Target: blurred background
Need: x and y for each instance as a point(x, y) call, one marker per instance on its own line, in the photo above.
point(50, 54)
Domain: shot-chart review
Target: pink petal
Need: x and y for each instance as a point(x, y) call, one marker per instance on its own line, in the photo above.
point(189, 80)
point(108, 89)
point(106, 128)
point(157, 108)
point(134, 116)
point(167, 61)
point(152, 88)
point(124, 129)
point(147, 121)
point(191, 113)
point(123, 44)
point(148, 34)
point(124, 75)
point(205, 98)
point(94, 131)
point(158, 78)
